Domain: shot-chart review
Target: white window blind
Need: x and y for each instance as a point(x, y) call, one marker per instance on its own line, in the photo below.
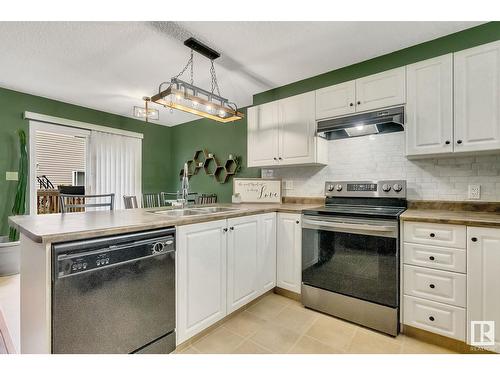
point(115, 163)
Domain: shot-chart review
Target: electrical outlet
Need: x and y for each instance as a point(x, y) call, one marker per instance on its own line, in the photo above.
point(11, 176)
point(266, 173)
point(474, 191)
point(288, 184)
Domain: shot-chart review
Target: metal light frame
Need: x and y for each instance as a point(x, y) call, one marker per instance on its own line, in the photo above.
point(192, 99)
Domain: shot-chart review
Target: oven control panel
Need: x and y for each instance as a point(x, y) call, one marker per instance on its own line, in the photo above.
point(385, 188)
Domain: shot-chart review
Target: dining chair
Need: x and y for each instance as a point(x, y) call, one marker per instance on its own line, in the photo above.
point(150, 200)
point(206, 199)
point(78, 203)
point(130, 201)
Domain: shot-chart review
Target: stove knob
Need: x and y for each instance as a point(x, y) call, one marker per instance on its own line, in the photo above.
point(338, 187)
point(397, 188)
point(330, 187)
point(386, 187)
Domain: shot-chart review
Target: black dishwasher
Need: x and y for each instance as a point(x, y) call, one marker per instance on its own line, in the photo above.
point(114, 294)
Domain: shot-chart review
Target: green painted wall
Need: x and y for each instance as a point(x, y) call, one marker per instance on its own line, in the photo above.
point(156, 158)
point(468, 38)
point(219, 139)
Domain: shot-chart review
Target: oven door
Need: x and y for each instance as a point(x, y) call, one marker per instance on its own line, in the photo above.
point(354, 257)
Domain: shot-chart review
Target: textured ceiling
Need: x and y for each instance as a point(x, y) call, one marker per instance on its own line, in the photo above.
point(110, 66)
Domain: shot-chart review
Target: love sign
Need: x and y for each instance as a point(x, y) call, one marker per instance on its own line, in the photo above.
point(258, 190)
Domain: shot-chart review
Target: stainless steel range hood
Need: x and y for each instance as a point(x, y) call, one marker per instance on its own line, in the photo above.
point(377, 122)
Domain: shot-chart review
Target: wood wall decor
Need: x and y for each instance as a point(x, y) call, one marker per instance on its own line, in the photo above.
point(205, 160)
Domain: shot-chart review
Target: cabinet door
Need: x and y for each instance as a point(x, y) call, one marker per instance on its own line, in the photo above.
point(289, 248)
point(336, 100)
point(429, 107)
point(263, 129)
point(297, 143)
point(380, 90)
point(267, 253)
point(201, 277)
point(477, 98)
point(483, 281)
point(242, 261)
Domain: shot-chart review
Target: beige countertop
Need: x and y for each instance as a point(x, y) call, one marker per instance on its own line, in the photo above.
point(80, 225)
point(471, 218)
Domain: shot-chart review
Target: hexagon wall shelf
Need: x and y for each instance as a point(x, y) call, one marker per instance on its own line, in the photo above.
point(208, 161)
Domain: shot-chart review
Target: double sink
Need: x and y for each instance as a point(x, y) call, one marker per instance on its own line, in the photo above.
point(181, 212)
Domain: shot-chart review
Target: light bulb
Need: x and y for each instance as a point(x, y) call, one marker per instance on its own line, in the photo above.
point(222, 113)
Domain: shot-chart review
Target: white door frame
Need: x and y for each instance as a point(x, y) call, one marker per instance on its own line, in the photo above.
point(35, 126)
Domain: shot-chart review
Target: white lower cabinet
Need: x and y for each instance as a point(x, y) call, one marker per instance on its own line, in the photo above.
point(221, 266)
point(483, 282)
point(201, 277)
point(267, 253)
point(242, 261)
point(436, 317)
point(289, 257)
point(434, 278)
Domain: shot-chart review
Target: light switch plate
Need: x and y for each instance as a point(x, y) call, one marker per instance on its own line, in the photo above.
point(474, 191)
point(266, 173)
point(11, 176)
point(288, 184)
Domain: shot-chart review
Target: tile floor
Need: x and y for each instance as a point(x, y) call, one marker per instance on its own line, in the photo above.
point(280, 325)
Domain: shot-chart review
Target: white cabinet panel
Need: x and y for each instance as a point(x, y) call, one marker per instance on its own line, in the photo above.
point(429, 107)
point(263, 135)
point(442, 258)
point(381, 90)
point(439, 286)
point(289, 272)
point(242, 261)
point(435, 234)
point(436, 317)
point(267, 253)
point(297, 142)
point(201, 277)
point(477, 98)
point(483, 278)
point(336, 100)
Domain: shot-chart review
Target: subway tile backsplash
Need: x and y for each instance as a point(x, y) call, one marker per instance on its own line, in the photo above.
point(380, 157)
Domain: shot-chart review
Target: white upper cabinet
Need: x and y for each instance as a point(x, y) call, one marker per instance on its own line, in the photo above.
point(477, 98)
point(429, 108)
point(336, 100)
point(263, 135)
point(380, 90)
point(297, 130)
point(483, 282)
point(283, 133)
point(242, 261)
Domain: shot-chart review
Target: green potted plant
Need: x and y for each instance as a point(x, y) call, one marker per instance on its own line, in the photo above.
point(9, 245)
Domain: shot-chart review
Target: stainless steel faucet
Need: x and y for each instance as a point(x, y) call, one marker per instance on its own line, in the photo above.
point(184, 188)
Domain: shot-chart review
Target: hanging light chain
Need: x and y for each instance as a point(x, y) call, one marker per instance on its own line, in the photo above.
point(190, 63)
point(214, 83)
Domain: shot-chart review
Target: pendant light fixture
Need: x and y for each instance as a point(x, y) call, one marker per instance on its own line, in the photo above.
point(187, 97)
point(146, 112)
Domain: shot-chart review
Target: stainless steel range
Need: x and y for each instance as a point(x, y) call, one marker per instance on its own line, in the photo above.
point(350, 253)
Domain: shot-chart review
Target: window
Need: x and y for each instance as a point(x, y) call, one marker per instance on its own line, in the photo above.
point(78, 178)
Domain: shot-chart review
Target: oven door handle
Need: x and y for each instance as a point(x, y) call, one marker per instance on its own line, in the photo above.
point(332, 226)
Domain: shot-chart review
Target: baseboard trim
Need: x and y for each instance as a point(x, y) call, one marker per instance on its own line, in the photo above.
point(287, 293)
point(442, 341)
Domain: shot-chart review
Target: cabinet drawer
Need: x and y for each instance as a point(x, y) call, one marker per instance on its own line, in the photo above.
point(435, 234)
point(442, 258)
point(436, 317)
point(440, 286)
